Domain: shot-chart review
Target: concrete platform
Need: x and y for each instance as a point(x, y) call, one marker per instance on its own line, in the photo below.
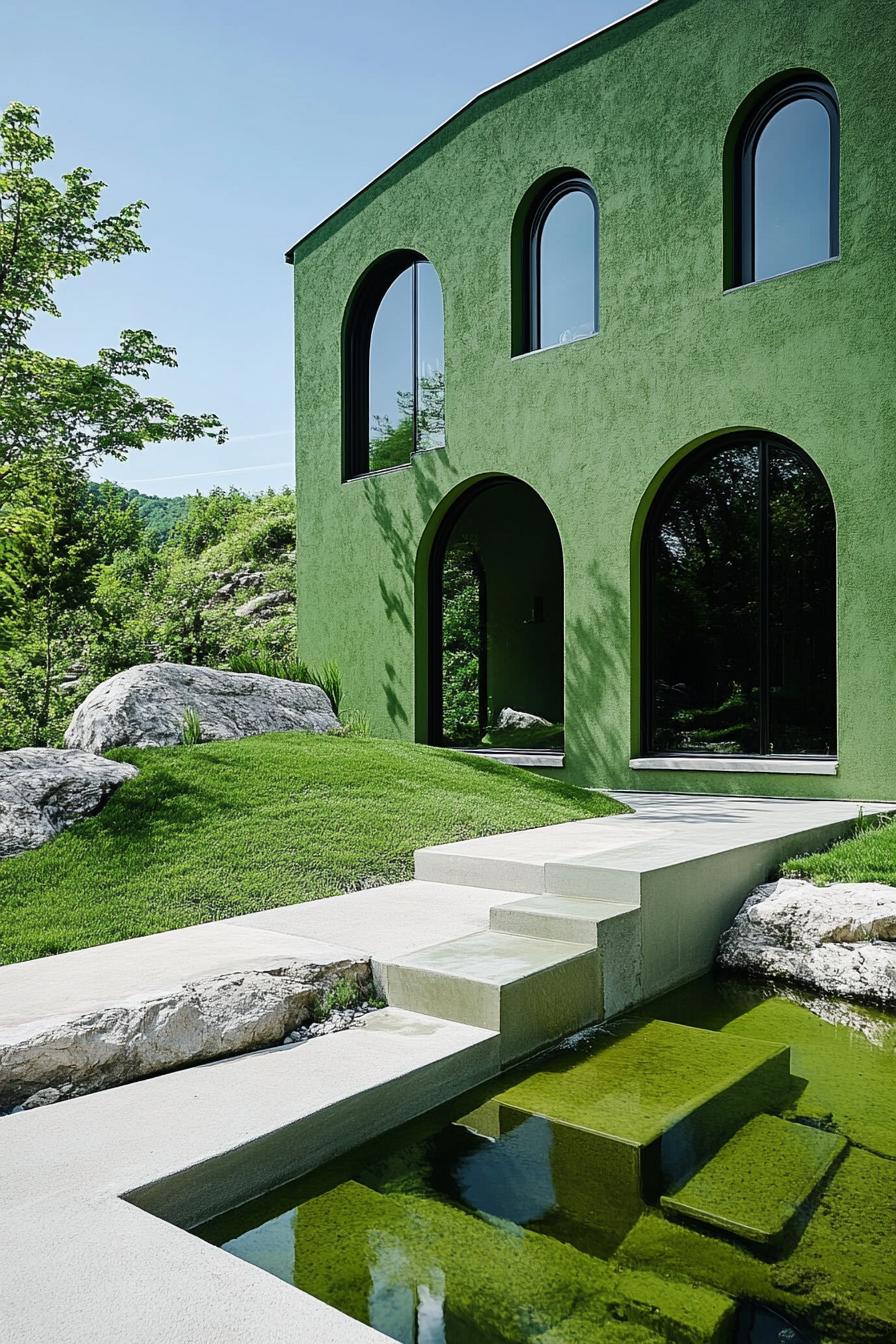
point(692, 1090)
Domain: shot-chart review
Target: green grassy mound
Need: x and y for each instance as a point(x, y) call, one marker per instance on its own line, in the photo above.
point(867, 856)
point(229, 828)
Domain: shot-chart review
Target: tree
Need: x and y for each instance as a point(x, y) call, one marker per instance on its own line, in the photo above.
point(54, 412)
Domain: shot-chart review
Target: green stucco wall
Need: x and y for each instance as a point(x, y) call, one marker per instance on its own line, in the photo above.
point(644, 110)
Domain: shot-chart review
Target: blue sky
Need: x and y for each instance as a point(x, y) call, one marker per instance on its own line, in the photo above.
point(242, 125)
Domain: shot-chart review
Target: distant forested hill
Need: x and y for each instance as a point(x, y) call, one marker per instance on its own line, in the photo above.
point(158, 513)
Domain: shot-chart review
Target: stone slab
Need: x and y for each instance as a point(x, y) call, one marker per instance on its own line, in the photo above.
point(73, 983)
point(694, 1090)
point(756, 1184)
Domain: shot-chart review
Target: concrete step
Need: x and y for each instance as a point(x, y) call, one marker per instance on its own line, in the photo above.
point(653, 1103)
point(758, 1183)
point(532, 990)
point(613, 927)
point(519, 861)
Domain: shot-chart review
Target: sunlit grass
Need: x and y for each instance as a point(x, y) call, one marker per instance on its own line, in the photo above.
point(867, 856)
point(206, 832)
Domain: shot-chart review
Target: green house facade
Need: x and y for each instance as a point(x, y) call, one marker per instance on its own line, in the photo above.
point(596, 412)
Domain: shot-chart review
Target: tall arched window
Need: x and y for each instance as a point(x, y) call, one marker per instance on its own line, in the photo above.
point(739, 605)
point(787, 190)
point(562, 273)
point(395, 366)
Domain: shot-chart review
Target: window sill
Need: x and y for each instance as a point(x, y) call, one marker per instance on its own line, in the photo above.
point(541, 760)
point(559, 345)
point(740, 765)
point(781, 275)
point(399, 466)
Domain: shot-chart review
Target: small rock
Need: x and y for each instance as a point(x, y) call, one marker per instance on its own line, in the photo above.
point(265, 602)
point(47, 1096)
point(518, 719)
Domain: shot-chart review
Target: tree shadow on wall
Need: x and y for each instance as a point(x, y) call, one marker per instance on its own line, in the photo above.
point(401, 532)
point(599, 668)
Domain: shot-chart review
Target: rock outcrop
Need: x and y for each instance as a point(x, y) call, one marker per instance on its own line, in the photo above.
point(839, 939)
point(516, 720)
point(43, 790)
point(191, 1023)
point(145, 707)
point(265, 605)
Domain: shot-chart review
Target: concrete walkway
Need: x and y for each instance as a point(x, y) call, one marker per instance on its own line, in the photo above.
point(498, 946)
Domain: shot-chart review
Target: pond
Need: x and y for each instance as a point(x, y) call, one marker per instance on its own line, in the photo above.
point(720, 1166)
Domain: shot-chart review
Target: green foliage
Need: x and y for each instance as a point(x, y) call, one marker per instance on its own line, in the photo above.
point(344, 994)
point(327, 677)
point(58, 417)
point(104, 595)
point(191, 732)
point(48, 234)
point(355, 723)
point(461, 641)
point(227, 828)
point(868, 855)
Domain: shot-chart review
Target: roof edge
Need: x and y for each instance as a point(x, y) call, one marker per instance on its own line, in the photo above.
point(477, 98)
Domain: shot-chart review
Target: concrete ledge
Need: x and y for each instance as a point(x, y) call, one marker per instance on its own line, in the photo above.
point(533, 760)
point(739, 765)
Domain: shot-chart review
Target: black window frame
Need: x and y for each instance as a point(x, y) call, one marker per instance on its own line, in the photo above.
point(744, 248)
point(538, 217)
point(361, 315)
point(764, 442)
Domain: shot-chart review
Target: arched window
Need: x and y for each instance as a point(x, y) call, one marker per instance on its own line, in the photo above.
point(739, 604)
point(787, 190)
point(562, 275)
point(395, 366)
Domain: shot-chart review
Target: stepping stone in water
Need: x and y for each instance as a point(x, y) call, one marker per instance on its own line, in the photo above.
point(758, 1182)
point(652, 1103)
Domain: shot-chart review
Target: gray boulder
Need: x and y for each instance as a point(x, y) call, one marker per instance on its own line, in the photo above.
point(839, 939)
point(41, 1062)
point(145, 707)
point(518, 718)
point(265, 604)
point(43, 790)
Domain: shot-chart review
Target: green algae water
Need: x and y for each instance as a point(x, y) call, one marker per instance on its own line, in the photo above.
point(719, 1167)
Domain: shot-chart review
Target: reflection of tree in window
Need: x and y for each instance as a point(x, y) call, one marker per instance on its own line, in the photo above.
point(740, 558)
point(406, 370)
point(462, 651)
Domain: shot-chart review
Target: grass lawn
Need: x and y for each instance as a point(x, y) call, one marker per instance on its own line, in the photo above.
point(231, 827)
point(868, 856)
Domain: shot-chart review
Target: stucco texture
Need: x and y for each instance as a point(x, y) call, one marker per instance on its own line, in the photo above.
point(644, 110)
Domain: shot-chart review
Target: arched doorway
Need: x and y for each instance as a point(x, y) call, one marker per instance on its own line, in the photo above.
point(496, 622)
point(739, 604)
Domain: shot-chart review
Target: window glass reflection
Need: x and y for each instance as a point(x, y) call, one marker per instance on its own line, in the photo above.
point(391, 404)
point(430, 359)
point(741, 606)
point(792, 189)
point(705, 609)
point(802, 635)
point(567, 275)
